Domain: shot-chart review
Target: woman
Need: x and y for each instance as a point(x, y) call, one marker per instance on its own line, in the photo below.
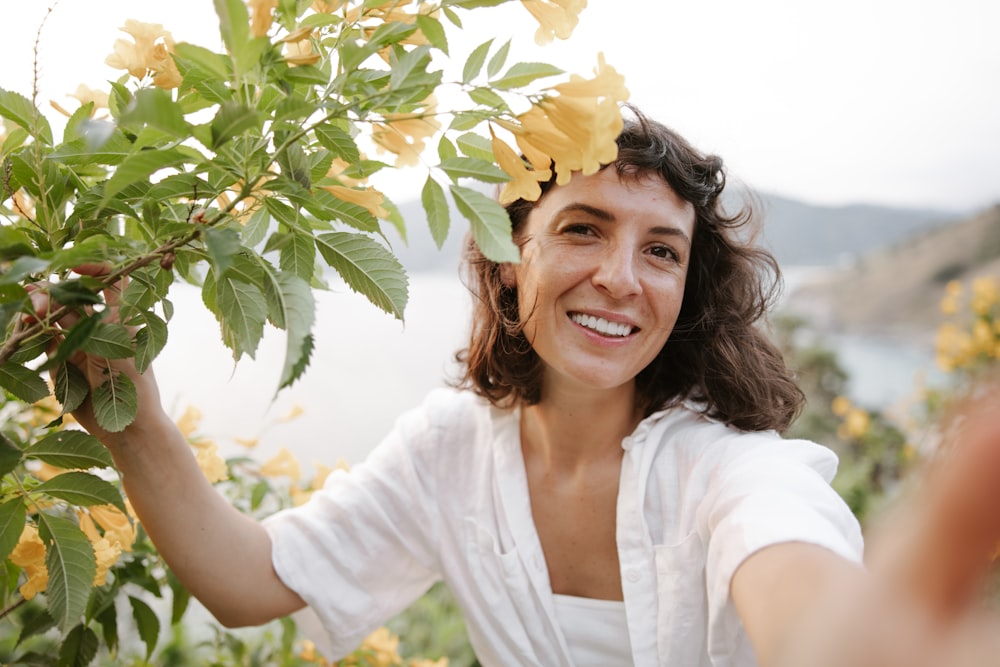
point(607, 487)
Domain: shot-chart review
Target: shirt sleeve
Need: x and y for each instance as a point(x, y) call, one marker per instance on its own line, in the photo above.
point(362, 548)
point(776, 492)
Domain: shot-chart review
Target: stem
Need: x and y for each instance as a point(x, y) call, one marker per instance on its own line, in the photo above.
point(12, 608)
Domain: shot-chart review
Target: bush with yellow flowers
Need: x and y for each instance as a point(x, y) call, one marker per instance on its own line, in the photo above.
point(244, 170)
point(882, 445)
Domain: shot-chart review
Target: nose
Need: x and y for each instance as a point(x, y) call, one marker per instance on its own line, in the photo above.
point(617, 273)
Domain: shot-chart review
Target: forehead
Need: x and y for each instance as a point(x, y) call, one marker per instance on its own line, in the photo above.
point(642, 197)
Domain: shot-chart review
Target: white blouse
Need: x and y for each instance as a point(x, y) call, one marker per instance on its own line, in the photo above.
point(445, 497)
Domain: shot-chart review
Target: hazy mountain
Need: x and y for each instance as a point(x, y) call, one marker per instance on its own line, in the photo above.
point(896, 291)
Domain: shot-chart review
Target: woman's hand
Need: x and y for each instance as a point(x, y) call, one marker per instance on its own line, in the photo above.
point(921, 600)
point(97, 369)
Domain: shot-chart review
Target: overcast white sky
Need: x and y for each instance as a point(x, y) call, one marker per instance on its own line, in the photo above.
point(878, 101)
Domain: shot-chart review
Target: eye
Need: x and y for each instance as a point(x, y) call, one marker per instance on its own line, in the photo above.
point(665, 252)
point(578, 229)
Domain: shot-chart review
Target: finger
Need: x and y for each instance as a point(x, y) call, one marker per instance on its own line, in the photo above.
point(112, 293)
point(948, 543)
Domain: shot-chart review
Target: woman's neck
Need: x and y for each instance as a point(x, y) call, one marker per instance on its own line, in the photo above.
point(570, 431)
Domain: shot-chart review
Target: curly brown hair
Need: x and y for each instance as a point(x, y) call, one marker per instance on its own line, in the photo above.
point(717, 355)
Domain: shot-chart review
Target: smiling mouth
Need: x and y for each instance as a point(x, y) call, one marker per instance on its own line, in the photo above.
point(602, 326)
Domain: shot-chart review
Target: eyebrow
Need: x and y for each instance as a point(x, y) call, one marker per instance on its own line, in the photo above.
point(607, 216)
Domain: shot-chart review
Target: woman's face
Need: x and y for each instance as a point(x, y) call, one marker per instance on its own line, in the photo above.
point(601, 278)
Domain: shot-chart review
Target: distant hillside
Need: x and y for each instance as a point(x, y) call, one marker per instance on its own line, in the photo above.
point(796, 232)
point(804, 234)
point(895, 292)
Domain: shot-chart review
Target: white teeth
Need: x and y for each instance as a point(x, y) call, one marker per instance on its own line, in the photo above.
point(601, 325)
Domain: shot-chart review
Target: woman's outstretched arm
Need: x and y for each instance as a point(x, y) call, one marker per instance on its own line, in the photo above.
point(222, 556)
point(918, 601)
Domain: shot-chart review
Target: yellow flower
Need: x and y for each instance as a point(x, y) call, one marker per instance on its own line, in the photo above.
point(86, 95)
point(211, 462)
point(189, 421)
point(45, 471)
point(607, 82)
point(524, 183)
point(293, 414)
point(29, 555)
point(282, 464)
point(369, 198)
point(556, 18)
point(327, 6)
point(984, 295)
point(443, 662)
point(323, 471)
point(404, 134)
point(117, 526)
point(594, 125)
point(249, 443)
point(148, 54)
point(983, 340)
point(299, 495)
point(856, 423)
point(261, 15)
point(840, 406)
point(106, 551)
point(384, 647)
point(300, 53)
point(337, 168)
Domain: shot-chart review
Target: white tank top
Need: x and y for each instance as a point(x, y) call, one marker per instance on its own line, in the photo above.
point(596, 631)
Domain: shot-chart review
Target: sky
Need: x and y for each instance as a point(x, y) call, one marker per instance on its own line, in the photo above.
point(890, 102)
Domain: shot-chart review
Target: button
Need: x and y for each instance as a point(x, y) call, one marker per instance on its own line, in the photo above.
point(633, 575)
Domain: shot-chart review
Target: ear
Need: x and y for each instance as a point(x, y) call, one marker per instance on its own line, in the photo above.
point(507, 276)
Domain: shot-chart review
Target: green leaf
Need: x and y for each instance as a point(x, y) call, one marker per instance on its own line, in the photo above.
point(180, 598)
point(149, 340)
point(298, 308)
point(521, 74)
point(255, 229)
point(433, 31)
point(70, 387)
point(474, 63)
point(222, 245)
point(12, 516)
point(81, 488)
point(470, 167)
point(242, 314)
point(436, 207)
point(26, 384)
point(146, 622)
point(14, 243)
point(232, 120)
point(10, 455)
point(368, 268)
point(70, 449)
point(115, 403)
point(140, 167)
point(297, 253)
point(81, 152)
point(487, 98)
point(216, 64)
point(446, 149)
point(477, 146)
point(338, 142)
point(498, 60)
point(489, 222)
point(109, 340)
point(234, 24)
point(157, 108)
point(19, 109)
point(108, 618)
point(79, 648)
point(76, 337)
point(410, 68)
point(70, 561)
